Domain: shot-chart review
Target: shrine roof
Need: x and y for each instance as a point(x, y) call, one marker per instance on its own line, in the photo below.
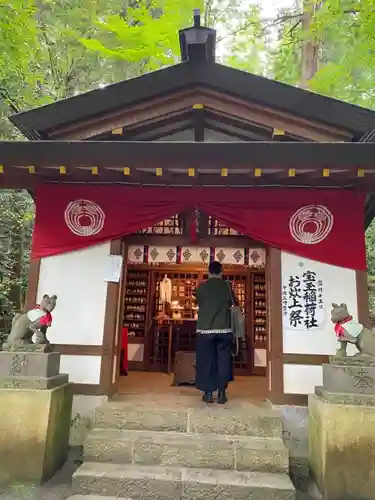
point(39, 122)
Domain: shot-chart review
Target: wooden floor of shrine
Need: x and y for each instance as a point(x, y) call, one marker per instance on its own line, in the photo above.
point(138, 382)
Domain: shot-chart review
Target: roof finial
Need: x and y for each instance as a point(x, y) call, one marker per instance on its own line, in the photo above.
point(197, 18)
point(197, 43)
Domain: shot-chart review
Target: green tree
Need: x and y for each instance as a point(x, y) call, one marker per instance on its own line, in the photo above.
point(17, 215)
point(343, 35)
point(144, 34)
point(18, 38)
point(243, 47)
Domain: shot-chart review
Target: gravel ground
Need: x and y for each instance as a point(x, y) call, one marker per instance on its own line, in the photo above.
point(60, 486)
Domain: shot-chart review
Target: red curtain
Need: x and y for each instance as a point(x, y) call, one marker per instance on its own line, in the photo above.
point(323, 225)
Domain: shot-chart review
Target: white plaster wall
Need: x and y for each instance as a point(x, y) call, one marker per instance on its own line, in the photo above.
point(81, 369)
point(78, 280)
point(339, 285)
point(302, 379)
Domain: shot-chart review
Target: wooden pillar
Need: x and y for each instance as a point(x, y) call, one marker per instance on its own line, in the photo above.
point(110, 327)
point(32, 284)
point(275, 342)
point(362, 298)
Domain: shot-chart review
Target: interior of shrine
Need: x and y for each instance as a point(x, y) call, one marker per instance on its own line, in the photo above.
point(159, 334)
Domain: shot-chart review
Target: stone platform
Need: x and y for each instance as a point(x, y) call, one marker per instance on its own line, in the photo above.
point(35, 413)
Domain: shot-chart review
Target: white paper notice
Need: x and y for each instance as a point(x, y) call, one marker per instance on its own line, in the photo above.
point(114, 268)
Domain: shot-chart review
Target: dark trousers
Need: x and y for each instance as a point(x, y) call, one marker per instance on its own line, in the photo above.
point(214, 362)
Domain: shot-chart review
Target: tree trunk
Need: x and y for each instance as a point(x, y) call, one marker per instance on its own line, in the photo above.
point(310, 46)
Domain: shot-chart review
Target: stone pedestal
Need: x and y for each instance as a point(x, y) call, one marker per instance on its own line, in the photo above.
point(35, 413)
point(342, 432)
point(351, 379)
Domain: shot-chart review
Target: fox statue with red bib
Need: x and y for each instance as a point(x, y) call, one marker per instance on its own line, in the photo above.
point(350, 331)
point(34, 322)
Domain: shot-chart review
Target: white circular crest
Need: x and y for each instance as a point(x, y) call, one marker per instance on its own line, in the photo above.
point(311, 224)
point(84, 217)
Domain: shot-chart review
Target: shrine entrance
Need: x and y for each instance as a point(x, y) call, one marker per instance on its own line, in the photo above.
point(150, 345)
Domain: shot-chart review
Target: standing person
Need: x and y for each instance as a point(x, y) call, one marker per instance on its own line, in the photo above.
point(214, 364)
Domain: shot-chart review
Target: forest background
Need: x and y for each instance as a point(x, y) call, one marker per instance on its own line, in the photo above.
point(53, 49)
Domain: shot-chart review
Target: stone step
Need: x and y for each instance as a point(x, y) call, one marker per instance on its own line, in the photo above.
point(95, 497)
point(186, 450)
point(243, 420)
point(141, 482)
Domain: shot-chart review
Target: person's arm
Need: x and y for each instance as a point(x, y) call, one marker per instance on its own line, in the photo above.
point(234, 300)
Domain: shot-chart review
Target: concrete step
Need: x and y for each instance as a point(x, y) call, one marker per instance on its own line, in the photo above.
point(165, 483)
point(243, 420)
point(187, 450)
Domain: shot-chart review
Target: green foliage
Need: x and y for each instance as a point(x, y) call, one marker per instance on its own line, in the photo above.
point(245, 49)
point(18, 36)
point(284, 55)
point(346, 31)
point(145, 33)
point(17, 217)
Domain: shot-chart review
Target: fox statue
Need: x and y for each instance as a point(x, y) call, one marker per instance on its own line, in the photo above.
point(34, 322)
point(350, 331)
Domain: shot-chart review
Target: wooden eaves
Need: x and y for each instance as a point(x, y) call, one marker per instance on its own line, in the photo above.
point(237, 164)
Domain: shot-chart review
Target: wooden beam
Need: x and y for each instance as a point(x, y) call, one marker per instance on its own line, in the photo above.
point(23, 180)
point(160, 134)
point(162, 120)
point(181, 100)
point(201, 155)
point(140, 114)
point(198, 120)
point(271, 117)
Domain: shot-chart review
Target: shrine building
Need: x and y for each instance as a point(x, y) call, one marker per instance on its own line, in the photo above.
point(153, 177)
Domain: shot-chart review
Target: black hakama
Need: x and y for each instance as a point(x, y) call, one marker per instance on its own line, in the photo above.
point(214, 361)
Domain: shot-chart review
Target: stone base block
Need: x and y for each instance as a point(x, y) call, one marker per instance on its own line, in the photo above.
point(355, 379)
point(29, 364)
point(346, 398)
point(342, 449)
point(34, 433)
point(33, 382)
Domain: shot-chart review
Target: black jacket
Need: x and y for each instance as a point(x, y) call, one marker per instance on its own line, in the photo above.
point(214, 302)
